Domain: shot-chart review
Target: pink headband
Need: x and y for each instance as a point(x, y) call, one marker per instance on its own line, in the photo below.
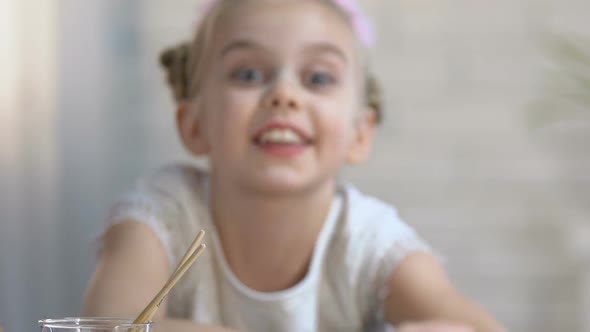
point(362, 25)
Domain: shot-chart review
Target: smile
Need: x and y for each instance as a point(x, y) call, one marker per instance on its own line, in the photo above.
point(280, 136)
point(276, 133)
point(282, 140)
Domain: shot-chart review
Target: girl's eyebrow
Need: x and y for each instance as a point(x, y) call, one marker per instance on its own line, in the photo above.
point(239, 44)
point(319, 47)
point(329, 48)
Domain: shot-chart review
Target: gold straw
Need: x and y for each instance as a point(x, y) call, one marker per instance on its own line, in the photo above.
point(195, 250)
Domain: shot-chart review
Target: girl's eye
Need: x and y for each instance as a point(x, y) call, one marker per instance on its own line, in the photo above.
point(320, 79)
point(248, 75)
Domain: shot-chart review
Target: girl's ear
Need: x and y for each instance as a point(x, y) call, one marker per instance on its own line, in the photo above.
point(190, 125)
point(364, 135)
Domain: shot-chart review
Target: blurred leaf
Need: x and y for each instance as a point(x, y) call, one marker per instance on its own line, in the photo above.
point(565, 88)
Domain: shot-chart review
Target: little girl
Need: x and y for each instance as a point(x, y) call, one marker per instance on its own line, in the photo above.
point(276, 94)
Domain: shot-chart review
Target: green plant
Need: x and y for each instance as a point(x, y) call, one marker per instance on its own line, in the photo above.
point(565, 89)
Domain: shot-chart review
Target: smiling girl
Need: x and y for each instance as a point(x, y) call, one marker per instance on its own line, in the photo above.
point(276, 93)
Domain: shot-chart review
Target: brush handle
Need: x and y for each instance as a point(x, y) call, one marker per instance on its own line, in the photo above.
point(148, 313)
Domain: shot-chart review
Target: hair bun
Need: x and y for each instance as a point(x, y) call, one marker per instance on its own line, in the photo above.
point(374, 97)
point(175, 62)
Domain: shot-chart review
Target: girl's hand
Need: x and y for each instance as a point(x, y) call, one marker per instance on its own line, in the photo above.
point(434, 327)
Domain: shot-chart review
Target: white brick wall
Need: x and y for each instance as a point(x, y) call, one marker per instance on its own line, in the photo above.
point(458, 157)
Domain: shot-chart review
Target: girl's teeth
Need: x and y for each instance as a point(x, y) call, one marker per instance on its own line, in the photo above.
point(280, 136)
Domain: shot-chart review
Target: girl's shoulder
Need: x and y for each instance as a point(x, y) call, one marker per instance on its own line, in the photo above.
point(373, 229)
point(170, 199)
point(375, 223)
point(365, 212)
point(370, 241)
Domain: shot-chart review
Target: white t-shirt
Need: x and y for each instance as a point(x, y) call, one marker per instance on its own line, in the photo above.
point(360, 244)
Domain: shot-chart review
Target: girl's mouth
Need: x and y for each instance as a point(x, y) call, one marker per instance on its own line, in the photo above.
point(282, 140)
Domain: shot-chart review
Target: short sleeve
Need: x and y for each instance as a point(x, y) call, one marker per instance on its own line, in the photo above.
point(379, 240)
point(163, 200)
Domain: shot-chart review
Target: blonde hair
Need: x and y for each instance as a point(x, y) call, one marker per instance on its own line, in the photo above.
point(184, 62)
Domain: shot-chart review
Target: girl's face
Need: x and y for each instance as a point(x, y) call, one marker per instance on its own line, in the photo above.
point(280, 110)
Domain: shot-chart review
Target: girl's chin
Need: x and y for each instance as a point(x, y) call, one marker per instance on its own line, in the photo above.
point(282, 183)
point(280, 187)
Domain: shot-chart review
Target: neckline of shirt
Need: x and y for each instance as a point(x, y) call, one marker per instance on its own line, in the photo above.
point(313, 272)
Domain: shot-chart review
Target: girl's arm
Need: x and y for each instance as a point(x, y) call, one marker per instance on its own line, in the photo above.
point(420, 291)
point(132, 268)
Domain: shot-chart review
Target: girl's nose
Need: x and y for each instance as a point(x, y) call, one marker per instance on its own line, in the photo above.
point(284, 102)
point(283, 95)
